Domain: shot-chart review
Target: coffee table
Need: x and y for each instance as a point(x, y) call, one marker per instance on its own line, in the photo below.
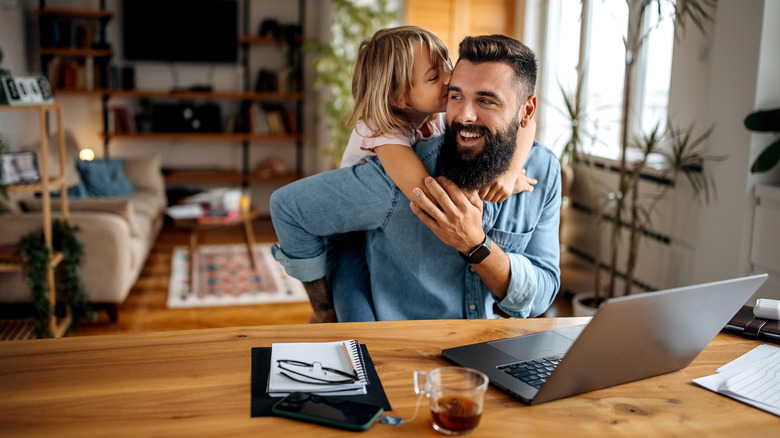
point(195, 227)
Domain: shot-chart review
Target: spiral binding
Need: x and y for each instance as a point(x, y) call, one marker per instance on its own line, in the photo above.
point(356, 354)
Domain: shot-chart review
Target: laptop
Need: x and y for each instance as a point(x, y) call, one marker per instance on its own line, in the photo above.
point(629, 338)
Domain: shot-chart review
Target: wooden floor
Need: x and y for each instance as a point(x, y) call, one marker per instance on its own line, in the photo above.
point(145, 309)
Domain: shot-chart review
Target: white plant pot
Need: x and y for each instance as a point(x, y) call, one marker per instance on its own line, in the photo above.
point(580, 309)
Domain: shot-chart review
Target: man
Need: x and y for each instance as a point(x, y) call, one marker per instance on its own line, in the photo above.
point(452, 256)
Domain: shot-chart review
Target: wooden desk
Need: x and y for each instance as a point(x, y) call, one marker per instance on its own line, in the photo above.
point(197, 383)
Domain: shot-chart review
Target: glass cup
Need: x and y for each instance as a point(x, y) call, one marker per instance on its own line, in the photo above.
point(457, 396)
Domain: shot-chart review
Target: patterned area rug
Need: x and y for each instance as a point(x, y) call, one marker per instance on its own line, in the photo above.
point(225, 278)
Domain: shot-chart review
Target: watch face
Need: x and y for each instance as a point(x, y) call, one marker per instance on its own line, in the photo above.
point(479, 254)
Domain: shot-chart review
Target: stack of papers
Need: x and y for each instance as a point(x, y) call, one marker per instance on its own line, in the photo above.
point(753, 378)
point(184, 211)
point(345, 356)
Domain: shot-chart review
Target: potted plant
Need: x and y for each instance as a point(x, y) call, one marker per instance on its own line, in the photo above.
point(765, 121)
point(69, 288)
point(622, 202)
point(333, 61)
point(683, 157)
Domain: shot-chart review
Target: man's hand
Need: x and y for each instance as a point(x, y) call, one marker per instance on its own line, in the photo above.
point(458, 223)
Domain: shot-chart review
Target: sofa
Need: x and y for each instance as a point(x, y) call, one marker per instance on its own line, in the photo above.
point(117, 232)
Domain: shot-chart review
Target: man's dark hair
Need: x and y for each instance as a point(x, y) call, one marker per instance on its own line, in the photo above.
point(501, 48)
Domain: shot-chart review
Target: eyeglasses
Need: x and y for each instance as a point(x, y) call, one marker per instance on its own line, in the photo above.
point(314, 373)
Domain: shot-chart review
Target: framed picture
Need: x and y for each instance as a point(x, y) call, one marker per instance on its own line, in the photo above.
point(20, 168)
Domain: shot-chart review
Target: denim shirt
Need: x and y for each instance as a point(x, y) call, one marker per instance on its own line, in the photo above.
point(413, 274)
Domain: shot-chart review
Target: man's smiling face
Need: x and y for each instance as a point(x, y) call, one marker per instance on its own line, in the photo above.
point(482, 98)
point(482, 124)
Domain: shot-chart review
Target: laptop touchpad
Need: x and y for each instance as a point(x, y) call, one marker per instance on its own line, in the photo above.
point(534, 345)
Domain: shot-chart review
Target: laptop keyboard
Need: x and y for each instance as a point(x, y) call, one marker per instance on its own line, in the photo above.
point(533, 372)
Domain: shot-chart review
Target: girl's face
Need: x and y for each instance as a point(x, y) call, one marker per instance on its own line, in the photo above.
point(428, 94)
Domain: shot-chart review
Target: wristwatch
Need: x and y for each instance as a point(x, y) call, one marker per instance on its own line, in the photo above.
point(479, 253)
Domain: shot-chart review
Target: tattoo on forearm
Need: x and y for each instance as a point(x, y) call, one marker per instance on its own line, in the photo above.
point(320, 295)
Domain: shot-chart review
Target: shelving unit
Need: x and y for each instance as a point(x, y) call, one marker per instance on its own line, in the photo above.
point(44, 187)
point(70, 49)
point(249, 40)
point(101, 53)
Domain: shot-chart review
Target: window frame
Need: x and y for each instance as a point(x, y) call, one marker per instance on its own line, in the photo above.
point(549, 82)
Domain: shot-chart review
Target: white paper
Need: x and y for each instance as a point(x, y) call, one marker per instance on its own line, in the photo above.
point(753, 378)
point(184, 211)
point(757, 354)
point(759, 382)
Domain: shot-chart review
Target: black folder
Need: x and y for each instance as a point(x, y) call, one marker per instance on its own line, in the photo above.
point(746, 324)
point(262, 403)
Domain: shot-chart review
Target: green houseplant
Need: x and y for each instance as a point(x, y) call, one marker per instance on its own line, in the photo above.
point(69, 288)
point(765, 121)
point(681, 150)
point(625, 206)
point(683, 158)
point(333, 61)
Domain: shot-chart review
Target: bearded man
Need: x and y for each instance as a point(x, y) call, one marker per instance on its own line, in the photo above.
point(450, 255)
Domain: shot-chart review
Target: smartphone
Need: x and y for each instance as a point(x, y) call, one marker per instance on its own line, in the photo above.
point(329, 411)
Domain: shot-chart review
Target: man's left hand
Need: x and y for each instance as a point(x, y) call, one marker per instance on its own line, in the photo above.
point(458, 223)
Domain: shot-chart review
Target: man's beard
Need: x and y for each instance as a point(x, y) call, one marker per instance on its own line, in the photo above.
point(479, 172)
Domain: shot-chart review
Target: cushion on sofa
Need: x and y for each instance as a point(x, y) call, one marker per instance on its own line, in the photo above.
point(105, 177)
point(145, 174)
point(120, 207)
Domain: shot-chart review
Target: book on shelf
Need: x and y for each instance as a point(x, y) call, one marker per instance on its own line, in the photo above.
point(89, 73)
point(66, 73)
point(9, 253)
point(120, 121)
point(267, 81)
point(270, 119)
point(258, 120)
point(63, 32)
point(275, 122)
point(301, 366)
point(290, 124)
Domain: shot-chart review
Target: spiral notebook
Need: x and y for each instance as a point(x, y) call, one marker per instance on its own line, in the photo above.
point(344, 356)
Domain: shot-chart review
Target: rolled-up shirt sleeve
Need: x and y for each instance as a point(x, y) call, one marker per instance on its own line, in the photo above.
point(535, 265)
point(339, 201)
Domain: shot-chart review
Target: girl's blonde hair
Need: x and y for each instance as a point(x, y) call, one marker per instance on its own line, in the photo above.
point(383, 75)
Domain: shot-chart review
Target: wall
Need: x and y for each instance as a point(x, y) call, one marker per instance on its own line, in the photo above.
point(13, 126)
point(744, 76)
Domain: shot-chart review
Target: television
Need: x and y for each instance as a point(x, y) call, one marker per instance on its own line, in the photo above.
point(180, 30)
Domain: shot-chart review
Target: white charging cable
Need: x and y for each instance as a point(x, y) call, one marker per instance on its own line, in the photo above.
point(397, 421)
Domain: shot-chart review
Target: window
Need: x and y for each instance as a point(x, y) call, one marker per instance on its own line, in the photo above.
point(584, 41)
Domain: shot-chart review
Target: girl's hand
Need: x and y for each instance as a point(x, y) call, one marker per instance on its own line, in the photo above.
point(514, 179)
point(507, 185)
